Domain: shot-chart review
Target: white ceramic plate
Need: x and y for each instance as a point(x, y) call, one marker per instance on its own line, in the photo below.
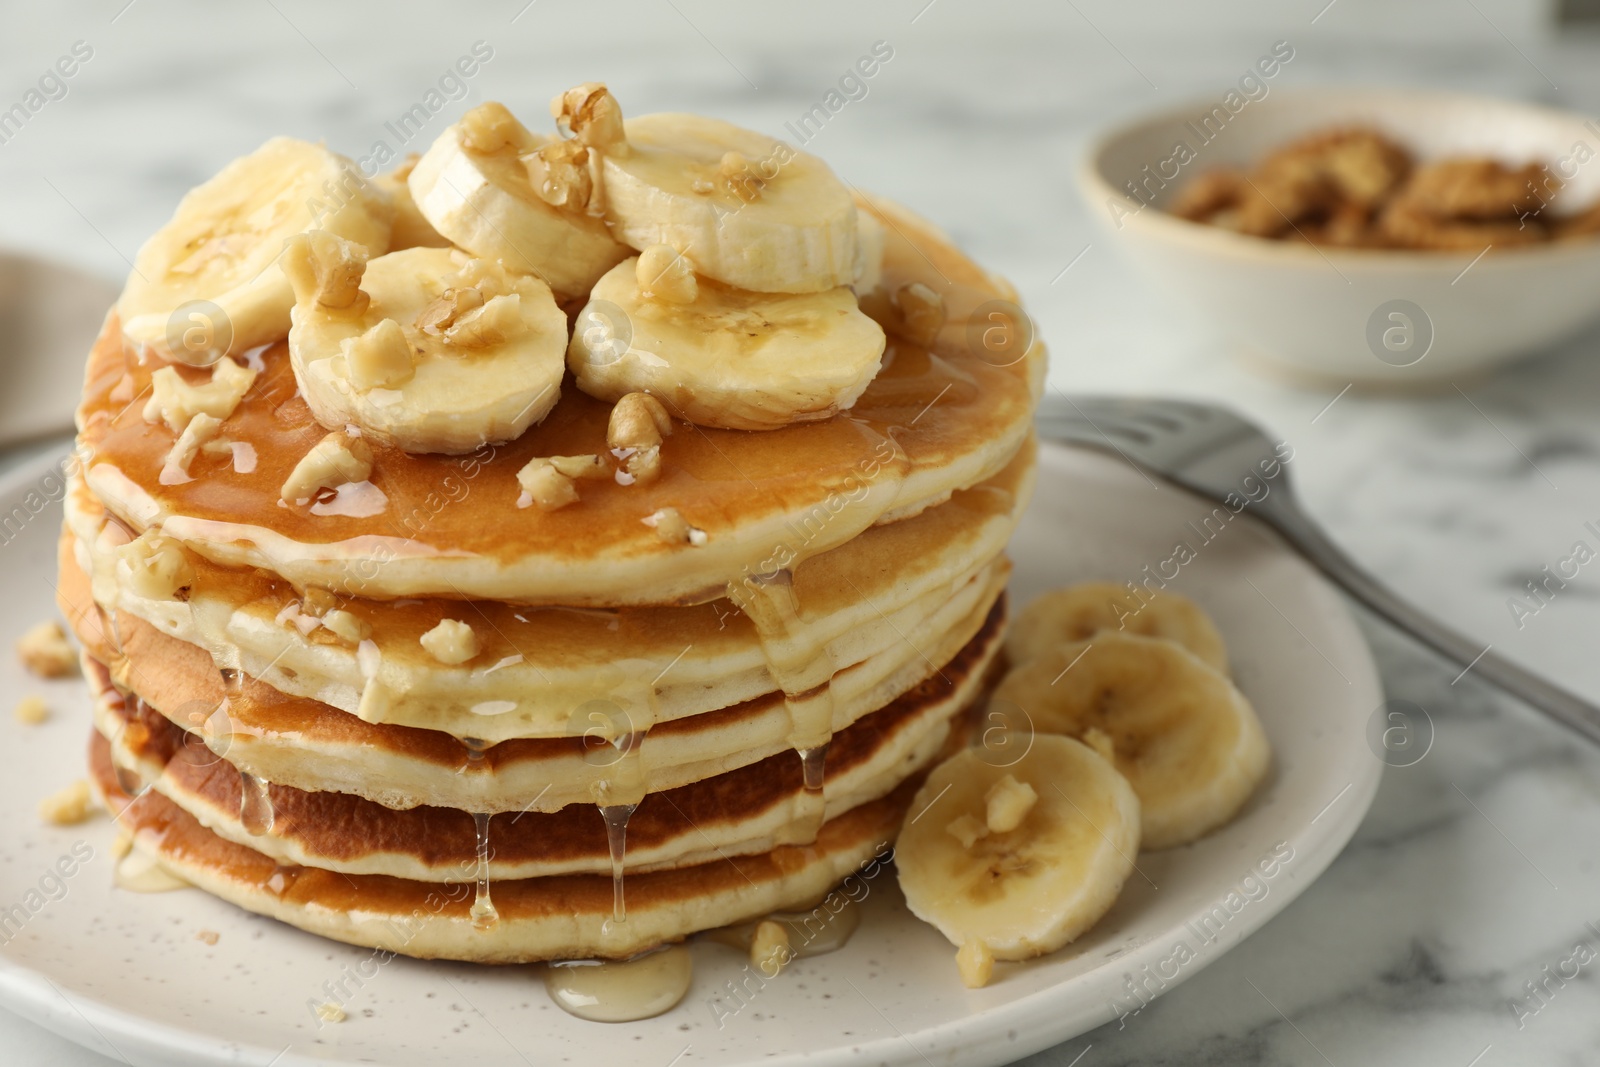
point(126, 973)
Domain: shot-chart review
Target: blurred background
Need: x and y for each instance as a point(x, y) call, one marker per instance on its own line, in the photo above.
point(977, 120)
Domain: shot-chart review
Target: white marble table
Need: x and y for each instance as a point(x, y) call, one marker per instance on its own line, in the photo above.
point(1476, 869)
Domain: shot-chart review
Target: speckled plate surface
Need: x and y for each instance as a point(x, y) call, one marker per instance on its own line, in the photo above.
point(131, 976)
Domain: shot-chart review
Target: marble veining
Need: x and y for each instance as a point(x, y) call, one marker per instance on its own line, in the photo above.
point(1476, 870)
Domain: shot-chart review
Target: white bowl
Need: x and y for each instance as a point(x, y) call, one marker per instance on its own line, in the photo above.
point(1372, 317)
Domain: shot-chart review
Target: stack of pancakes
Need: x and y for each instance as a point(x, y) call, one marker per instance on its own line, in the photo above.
point(650, 738)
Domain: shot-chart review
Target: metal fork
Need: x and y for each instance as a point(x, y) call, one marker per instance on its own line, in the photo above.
point(1210, 451)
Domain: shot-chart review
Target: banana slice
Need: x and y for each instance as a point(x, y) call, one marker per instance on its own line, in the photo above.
point(411, 230)
point(719, 356)
point(747, 210)
point(222, 242)
point(1010, 887)
point(1078, 612)
point(473, 186)
point(1188, 741)
point(427, 349)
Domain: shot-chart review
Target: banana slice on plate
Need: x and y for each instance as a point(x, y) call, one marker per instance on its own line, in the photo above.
point(747, 210)
point(1016, 861)
point(474, 186)
point(1078, 612)
point(411, 230)
point(1188, 741)
point(427, 349)
point(219, 250)
point(719, 356)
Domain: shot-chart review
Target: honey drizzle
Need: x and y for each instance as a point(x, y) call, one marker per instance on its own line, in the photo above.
point(485, 916)
point(255, 805)
point(618, 793)
point(617, 991)
point(803, 670)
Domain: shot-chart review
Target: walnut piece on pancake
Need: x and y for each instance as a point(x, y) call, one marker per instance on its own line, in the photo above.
point(31, 710)
point(550, 481)
point(338, 459)
point(638, 424)
point(69, 807)
point(154, 567)
point(346, 626)
point(46, 652)
point(671, 527)
point(175, 401)
point(451, 642)
point(201, 429)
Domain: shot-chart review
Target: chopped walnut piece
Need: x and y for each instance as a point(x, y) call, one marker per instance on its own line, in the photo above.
point(1476, 189)
point(1007, 804)
point(665, 274)
point(70, 806)
point(548, 480)
point(769, 947)
point(674, 529)
point(335, 460)
point(560, 174)
point(975, 961)
point(344, 625)
point(638, 423)
point(499, 320)
point(157, 566)
point(380, 358)
point(317, 602)
point(922, 311)
point(201, 428)
point(175, 401)
point(210, 937)
point(443, 310)
point(591, 114)
point(325, 269)
point(46, 652)
point(968, 829)
point(545, 486)
point(31, 710)
point(451, 642)
point(491, 127)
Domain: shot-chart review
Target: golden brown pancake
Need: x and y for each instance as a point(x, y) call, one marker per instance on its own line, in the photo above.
point(561, 917)
point(932, 421)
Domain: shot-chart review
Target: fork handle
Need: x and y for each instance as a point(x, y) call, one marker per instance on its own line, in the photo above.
point(1472, 656)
